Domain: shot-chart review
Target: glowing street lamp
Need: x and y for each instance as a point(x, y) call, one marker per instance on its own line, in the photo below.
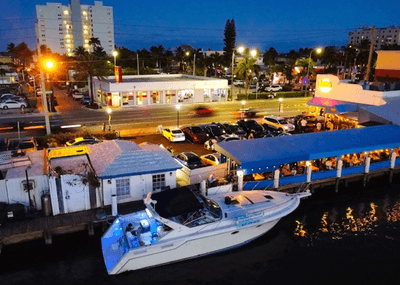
point(240, 49)
point(318, 51)
point(115, 53)
point(242, 114)
point(280, 107)
point(253, 53)
point(109, 111)
point(178, 107)
point(49, 66)
point(194, 61)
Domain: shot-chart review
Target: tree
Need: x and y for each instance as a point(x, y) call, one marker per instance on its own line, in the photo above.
point(229, 40)
point(245, 69)
point(23, 53)
point(269, 56)
point(91, 64)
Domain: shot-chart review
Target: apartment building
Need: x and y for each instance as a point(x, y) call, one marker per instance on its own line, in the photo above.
point(383, 36)
point(65, 27)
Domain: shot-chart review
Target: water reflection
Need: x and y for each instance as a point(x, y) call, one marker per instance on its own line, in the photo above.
point(351, 222)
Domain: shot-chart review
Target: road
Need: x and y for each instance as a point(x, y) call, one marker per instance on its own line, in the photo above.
point(70, 112)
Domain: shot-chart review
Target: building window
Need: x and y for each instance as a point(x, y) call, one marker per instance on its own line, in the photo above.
point(123, 188)
point(31, 185)
point(158, 181)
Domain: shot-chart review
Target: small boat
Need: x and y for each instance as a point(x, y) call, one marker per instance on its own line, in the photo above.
point(179, 224)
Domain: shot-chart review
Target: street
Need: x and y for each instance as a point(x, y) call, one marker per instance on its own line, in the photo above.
point(144, 119)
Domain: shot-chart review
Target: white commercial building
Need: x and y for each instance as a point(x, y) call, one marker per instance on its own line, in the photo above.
point(137, 90)
point(64, 28)
point(383, 36)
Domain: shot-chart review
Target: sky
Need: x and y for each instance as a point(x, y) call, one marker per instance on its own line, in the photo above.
point(284, 25)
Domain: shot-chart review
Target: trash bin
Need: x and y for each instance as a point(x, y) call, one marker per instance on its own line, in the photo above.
point(46, 204)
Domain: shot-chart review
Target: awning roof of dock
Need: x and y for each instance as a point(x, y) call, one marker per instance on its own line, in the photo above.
point(261, 155)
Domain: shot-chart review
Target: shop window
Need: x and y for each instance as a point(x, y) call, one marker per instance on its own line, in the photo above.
point(123, 187)
point(158, 181)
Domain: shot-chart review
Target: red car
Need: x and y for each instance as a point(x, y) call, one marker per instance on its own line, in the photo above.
point(203, 111)
point(195, 134)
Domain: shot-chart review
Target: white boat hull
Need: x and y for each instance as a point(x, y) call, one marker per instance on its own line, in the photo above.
point(192, 248)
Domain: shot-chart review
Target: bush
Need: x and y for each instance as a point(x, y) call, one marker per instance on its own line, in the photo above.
point(289, 94)
point(60, 139)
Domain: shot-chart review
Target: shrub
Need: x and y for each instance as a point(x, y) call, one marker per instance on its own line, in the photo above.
point(289, 94)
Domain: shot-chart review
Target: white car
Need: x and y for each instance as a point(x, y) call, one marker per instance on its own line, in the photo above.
point(210, 144)
point(278, 123)
point(174, 135)
point(275, 88)
point(78, 96)
point(238, 82)
point(11, 104)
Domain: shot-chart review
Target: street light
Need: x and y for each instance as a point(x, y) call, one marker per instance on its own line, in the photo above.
point(280, 107)
point(49, 65)
point(242, 114)
point(109, 119)
point(240, 49)
point(194, 61)
point(318, 51)
point(178, 107)
point(115, 53)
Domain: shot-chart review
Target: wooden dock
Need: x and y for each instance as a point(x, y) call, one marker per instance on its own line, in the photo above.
point(46, 227)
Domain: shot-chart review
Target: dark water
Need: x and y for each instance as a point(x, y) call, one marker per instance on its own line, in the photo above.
point(346, 238)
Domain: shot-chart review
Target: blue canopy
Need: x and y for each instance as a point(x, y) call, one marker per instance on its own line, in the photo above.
point(263, 155)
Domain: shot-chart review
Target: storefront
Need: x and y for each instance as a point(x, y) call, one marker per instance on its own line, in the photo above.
point(159, 89)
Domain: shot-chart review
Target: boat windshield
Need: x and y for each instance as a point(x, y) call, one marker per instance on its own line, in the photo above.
point(210, 213)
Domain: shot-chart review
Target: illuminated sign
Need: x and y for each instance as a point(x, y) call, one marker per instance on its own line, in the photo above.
point(325, 85)
point(68, 151)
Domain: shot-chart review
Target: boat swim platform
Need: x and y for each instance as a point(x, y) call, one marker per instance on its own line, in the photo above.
point(40, 227)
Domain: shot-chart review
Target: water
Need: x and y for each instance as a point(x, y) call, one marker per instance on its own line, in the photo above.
point(351, 237)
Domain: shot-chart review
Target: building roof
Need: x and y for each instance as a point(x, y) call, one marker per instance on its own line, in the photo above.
point(36, 163)
point(119, 158)
point(159, 78)
point(390, 112)
point(261, 155)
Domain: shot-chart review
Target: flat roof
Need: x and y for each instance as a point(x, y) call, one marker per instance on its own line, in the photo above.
point(160, 78)
point(257, 155)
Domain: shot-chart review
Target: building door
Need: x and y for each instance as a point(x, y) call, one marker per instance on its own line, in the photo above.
point(59, 195)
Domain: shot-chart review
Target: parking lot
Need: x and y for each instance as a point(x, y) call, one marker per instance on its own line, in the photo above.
point(178, 147)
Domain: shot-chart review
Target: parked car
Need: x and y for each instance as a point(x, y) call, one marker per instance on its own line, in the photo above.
point(3, 144)
point(27, 144)
point(7, 91)
point(233, 129)
point(275, 88)
point(195, 134)
point(11, 104)
point(214, 130)
point(190, 159)
point(278, 123)
point(210, 144)
point(238, 82)
point(82, 141)
point(174, 135)
point(203, 111)
point(77, 95)
point(13, 98)
point(251, 126)
point(86, 100)
point(210, 159)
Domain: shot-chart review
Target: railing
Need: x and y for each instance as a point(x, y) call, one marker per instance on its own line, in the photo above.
point(292, 179)
point(323, 174)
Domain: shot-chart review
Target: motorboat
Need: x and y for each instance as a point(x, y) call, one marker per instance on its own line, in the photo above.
point(178, 224)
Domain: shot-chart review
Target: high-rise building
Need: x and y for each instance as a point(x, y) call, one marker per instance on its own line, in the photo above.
point(383, 36)
point(64, 28)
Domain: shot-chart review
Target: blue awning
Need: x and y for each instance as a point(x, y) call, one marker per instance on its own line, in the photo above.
point(262, 155)
point(342, 108)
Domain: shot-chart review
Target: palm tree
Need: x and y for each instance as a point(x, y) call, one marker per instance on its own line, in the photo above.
point(91, 64)
point(244, 70)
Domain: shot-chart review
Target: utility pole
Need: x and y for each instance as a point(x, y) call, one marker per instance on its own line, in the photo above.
point(371, 50)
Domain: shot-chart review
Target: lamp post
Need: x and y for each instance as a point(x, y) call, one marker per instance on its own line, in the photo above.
point(115, 53)
point(280, 107)
point(194, 61)
point(318, 51)
point(240, 50)
point(109, 119)
point(242, 114)
point(178, 107)
point(49, 65)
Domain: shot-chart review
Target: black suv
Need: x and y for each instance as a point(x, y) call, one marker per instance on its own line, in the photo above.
point(231, 129)
point(213, 130)
point(251, 126)
point(190, 159)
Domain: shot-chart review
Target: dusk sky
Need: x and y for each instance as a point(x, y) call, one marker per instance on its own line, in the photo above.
point(284, 25)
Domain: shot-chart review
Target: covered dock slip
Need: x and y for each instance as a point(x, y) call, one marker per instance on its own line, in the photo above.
point(278, 161)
